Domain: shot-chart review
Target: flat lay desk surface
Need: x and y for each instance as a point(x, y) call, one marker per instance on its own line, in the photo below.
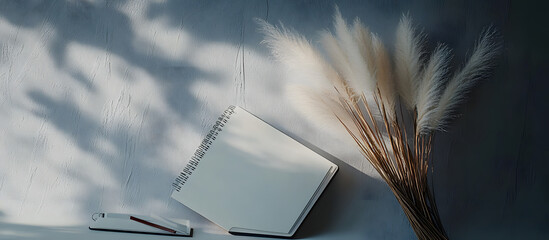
point(103, 102)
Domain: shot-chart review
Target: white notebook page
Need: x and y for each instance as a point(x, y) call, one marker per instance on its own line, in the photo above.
point(253, 176)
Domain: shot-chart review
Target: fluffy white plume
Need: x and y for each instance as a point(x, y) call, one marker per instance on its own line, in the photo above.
point(378, 65)
point(300, 60)
point(364, 40)
point(383, 74)
point(314, 82)
point(430, 88)
point(337, 59)
point(358, 65)
point(322, 109)
point(459, 85)
point(355, 70)
point(407, 61)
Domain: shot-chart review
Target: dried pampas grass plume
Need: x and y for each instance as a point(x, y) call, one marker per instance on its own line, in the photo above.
point(300, 60)
point(312, 79)
point(408, 51)
point(356, 71)
point(358, 89)
point(384, 76)
point(430, 88)
point(477, 67)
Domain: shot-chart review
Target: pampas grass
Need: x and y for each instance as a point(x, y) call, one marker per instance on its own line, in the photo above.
point(430, 87)
point(390, 107)
point(407, 61)
point(477, 66)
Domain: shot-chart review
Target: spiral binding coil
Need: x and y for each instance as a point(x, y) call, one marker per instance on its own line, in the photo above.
point(202, 149)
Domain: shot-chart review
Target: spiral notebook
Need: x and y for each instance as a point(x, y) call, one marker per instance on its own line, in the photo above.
point(249, 178)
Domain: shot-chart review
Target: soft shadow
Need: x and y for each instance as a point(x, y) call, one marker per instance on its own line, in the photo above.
point(356, 204)
point(9, 231)
point(129, 162)
point(104, 26)
point(24, 232)
point(490, 171)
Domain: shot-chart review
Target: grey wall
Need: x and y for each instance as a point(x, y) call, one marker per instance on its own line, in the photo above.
point(491, 166)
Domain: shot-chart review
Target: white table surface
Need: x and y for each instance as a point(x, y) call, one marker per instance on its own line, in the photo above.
point(102, 104)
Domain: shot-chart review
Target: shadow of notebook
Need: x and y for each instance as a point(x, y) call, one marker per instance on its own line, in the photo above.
point(250, 178)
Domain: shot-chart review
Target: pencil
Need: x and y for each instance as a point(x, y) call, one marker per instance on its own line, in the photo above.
point(152, 224)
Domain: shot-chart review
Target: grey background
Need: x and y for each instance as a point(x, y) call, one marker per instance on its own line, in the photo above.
point(490, 172)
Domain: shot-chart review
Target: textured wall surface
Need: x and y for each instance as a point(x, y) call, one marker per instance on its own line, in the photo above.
point(103, 102)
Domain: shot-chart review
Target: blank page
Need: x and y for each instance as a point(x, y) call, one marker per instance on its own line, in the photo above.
point(253, 176)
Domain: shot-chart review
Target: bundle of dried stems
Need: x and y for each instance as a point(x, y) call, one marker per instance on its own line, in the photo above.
point(391, 109)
